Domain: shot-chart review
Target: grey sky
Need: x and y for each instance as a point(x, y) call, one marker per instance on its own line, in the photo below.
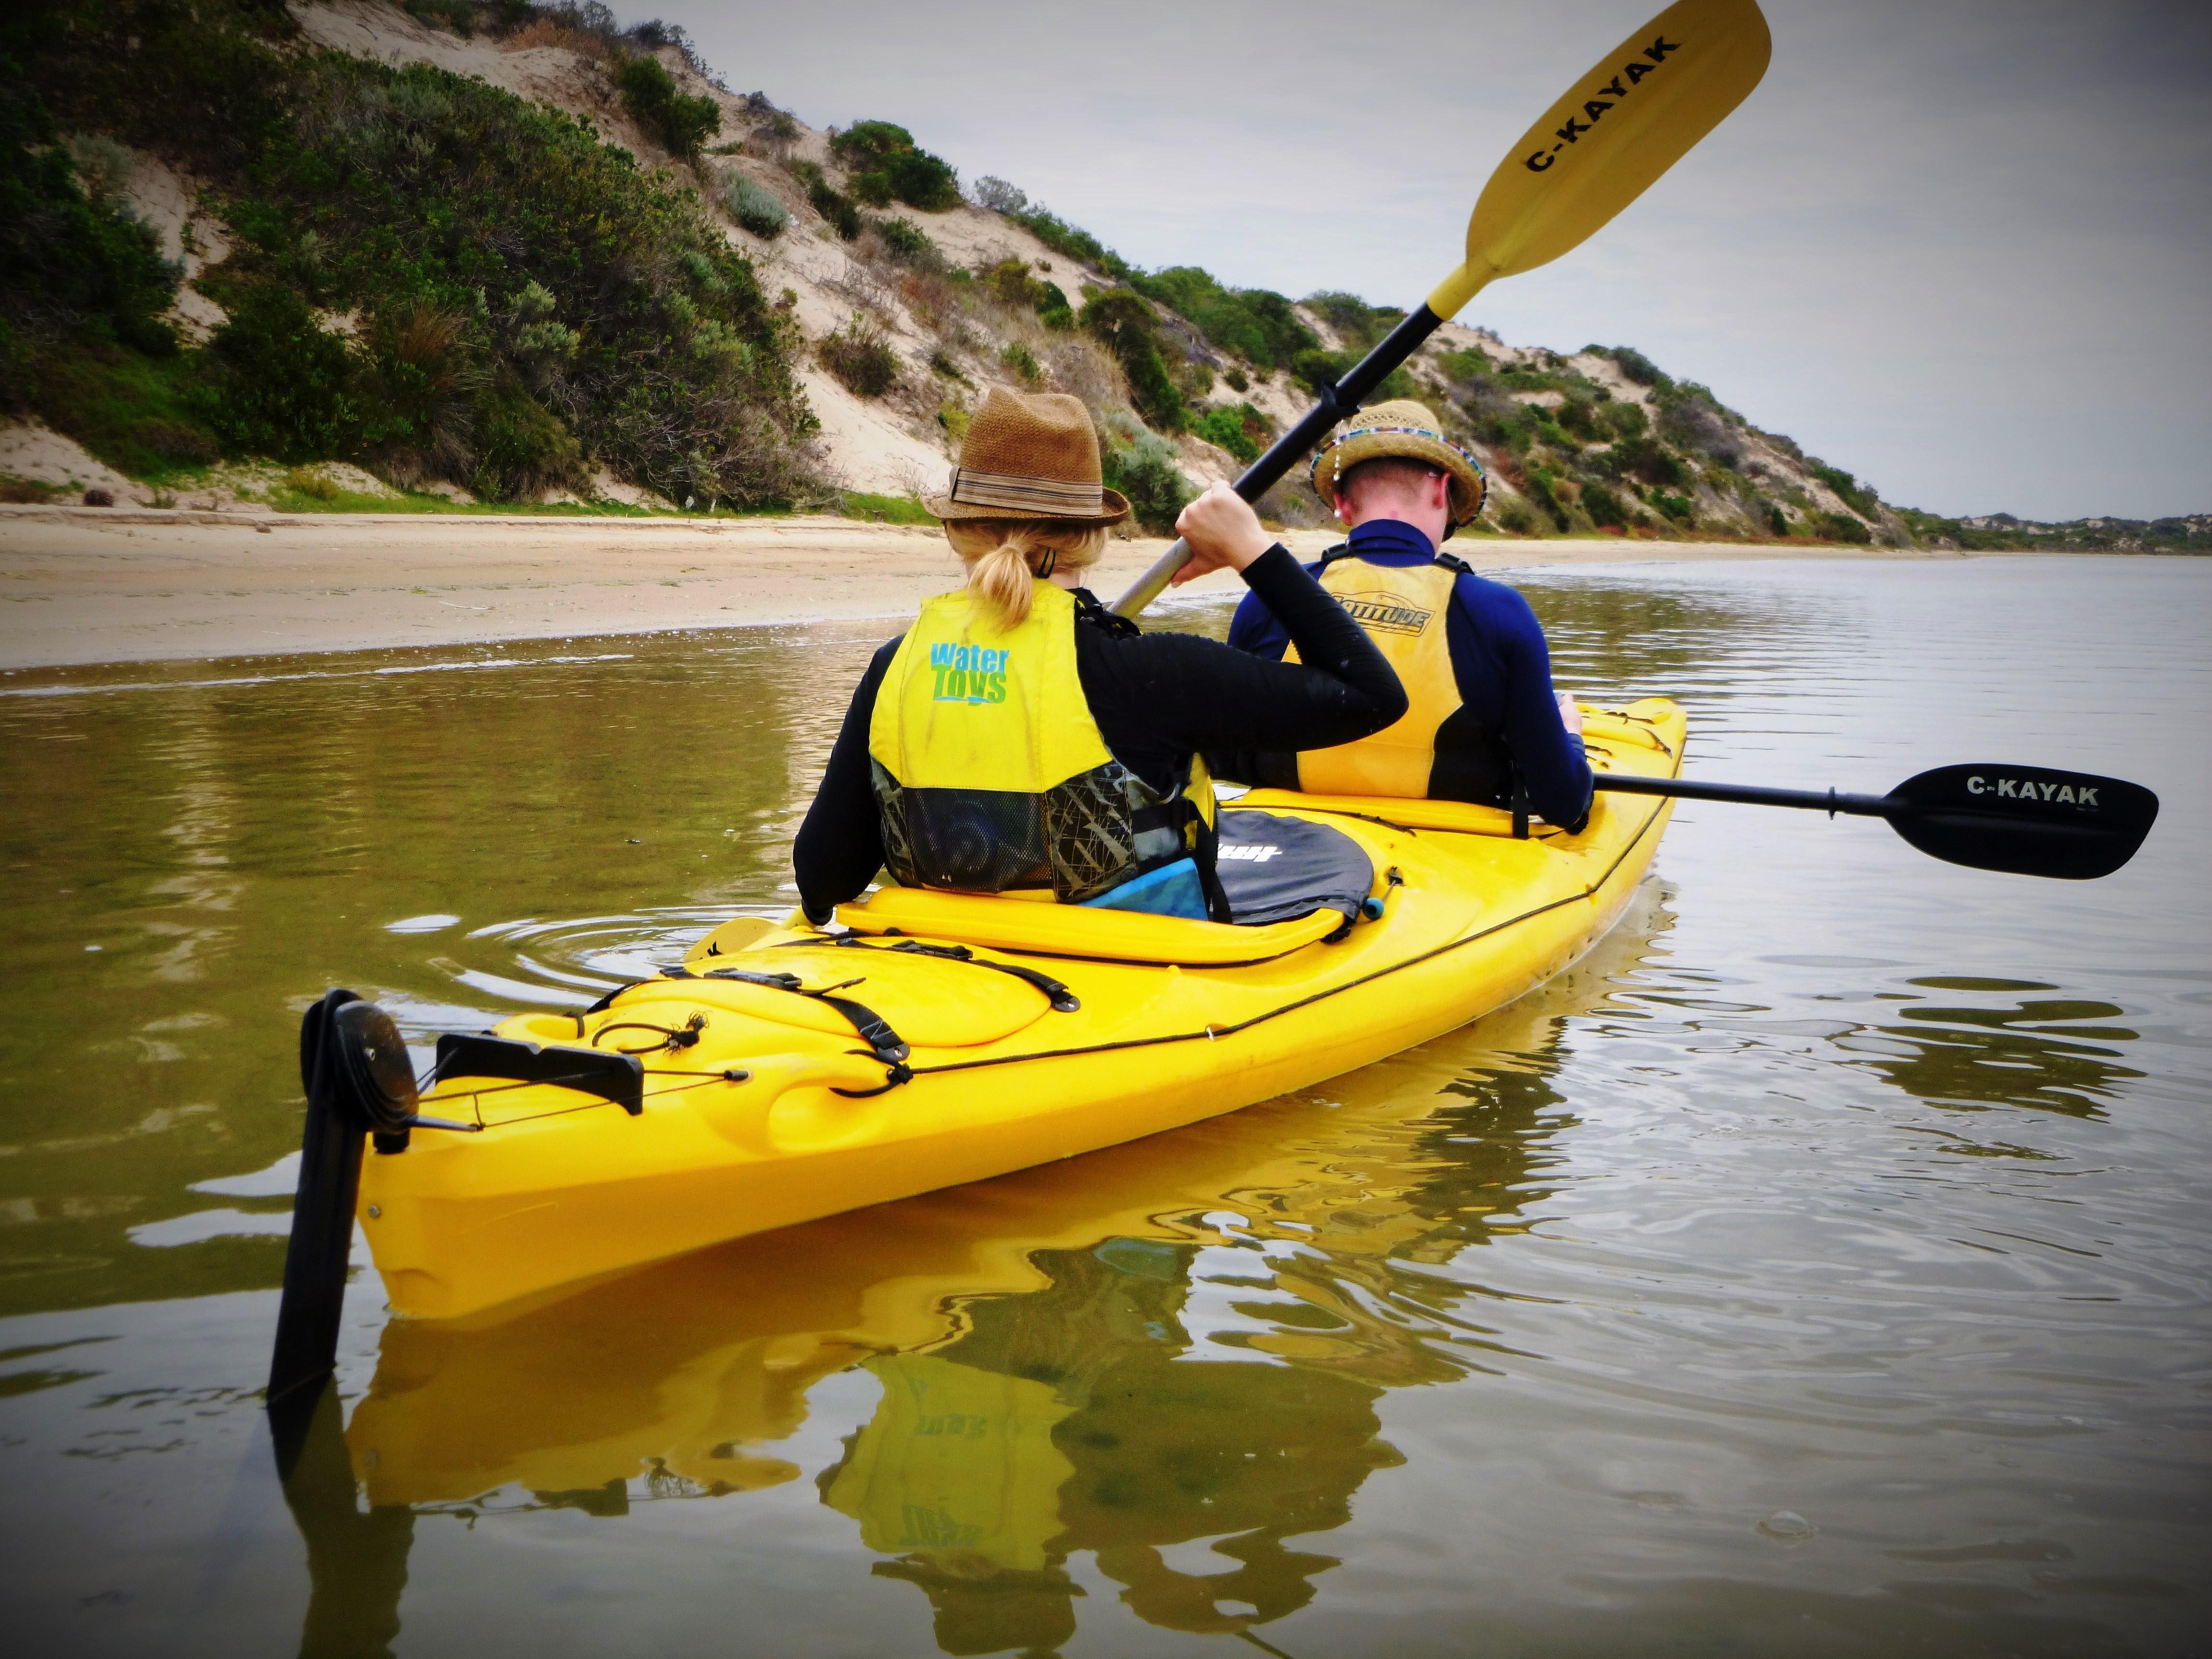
point(1959, 247)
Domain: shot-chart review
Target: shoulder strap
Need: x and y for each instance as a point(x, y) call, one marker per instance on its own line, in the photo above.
point(1087, 609)
point(1456, 565)
point(1341, 550)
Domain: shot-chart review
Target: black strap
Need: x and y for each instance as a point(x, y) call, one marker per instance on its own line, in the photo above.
point(1062, 1000)
point(874, 1030)
point(1450, 562)
point(1088, 609)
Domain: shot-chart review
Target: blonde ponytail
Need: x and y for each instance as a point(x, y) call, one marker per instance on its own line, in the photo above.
point(1006, 558)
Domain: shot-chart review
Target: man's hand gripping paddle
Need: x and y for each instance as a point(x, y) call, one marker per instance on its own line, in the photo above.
point(1592, 152)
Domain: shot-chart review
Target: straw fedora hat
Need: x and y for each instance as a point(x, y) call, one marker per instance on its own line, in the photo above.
point(1402, 427)
point(1029, 456)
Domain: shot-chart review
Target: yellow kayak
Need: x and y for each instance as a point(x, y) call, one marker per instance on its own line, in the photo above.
point(927, 1039)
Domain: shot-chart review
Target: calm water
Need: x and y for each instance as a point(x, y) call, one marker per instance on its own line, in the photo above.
point(1821, 1267)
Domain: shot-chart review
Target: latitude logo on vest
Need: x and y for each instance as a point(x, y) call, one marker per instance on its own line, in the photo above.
point(1388, 612)
point(968, 673)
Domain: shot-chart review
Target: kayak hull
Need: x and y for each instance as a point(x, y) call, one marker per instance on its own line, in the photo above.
point(776, 1110)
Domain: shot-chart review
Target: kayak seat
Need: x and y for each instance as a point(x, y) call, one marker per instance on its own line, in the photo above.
point(1276, 868)
point(1073, 930)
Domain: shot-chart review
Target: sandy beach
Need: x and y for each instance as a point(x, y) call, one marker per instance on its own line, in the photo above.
point(86, 586)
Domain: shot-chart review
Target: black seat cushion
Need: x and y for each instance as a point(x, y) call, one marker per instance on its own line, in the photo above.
point(1275, 868)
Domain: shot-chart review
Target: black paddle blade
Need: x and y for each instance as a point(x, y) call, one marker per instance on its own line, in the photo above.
point(2029, 820)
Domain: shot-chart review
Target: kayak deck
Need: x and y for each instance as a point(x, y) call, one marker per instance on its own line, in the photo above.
point(934, 1039)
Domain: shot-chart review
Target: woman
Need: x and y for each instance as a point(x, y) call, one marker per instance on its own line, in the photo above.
point(1020, 736)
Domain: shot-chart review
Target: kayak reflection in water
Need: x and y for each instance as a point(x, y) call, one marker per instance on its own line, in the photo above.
point(1072, 1420)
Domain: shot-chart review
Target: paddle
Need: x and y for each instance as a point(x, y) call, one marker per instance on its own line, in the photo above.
point(2026, 820)
point(1592, 152)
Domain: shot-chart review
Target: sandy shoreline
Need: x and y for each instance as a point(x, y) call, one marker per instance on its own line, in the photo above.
point(84, 586)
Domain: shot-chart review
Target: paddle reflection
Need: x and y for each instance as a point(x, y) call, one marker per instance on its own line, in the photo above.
point(2027, 1051)
point(1169, 1355)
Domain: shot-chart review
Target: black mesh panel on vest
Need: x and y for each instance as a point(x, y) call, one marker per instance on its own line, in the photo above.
point(975, 841)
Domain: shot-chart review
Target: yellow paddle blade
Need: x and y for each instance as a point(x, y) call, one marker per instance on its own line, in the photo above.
point(1602, 146)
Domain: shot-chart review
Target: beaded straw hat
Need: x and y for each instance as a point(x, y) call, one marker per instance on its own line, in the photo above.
point(1402, 427)
point(1029, 456)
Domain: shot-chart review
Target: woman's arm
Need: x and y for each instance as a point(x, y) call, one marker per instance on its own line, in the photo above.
point(1163, 695)
point(840, 845)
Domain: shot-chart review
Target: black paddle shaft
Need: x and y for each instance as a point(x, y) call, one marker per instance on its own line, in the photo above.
point(1337, 402)
point(2026, 820)
point(1749, 794)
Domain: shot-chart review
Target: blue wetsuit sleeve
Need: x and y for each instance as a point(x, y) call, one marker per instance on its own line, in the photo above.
point(1550, 759)
point(1255, 630)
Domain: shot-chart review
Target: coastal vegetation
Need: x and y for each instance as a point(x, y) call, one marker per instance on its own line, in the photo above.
point(525, 302)
point(415, 272)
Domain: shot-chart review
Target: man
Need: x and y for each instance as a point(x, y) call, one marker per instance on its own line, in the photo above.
point(1483, 723)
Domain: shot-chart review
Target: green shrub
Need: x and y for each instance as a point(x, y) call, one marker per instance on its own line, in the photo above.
point(522, 449)
point(1576, 416)
point(1062, 237)
point(1145, 471)
point(1633, 364)
point(1603, 507)
point(281, 381)
point(859, 355)
point(1776, 519)
point(1645, 458)
point(72, 268)
point(1243, 431)
point(174, 442)
point(941, 363)
point(1543, 491)
point(1623, 421)
point(1236, 379)
point(680, 122)
point(1358, 325)
point(1517, 520)
point(1010, 282)
point(1020, 359)
point(908, 244)
point(885, 166)
point(1465, 367)
point(1859, 497)
point(844, 218)
point(1121, 321)
point(1681, 508)
point(753, 205)
point(416, 375)
point(883, 509)
point(316, 486)
point(1314, 369)
point(1257, 325)
point(1842, 527)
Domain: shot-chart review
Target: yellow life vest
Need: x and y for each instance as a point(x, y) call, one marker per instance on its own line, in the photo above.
point(1403, 609)
point(990, 773)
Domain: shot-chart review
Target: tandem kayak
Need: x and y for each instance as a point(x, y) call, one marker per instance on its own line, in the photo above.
point(785, 1072)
